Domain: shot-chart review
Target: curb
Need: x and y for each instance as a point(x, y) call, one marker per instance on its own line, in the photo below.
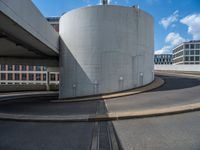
point(154, 85)
point(104, 117)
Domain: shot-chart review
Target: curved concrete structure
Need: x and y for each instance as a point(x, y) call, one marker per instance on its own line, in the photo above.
point(105, 49)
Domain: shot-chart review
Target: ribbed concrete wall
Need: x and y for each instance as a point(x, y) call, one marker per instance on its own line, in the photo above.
point(105, 49)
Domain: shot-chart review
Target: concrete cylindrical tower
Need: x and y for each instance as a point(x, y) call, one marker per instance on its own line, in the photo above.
point(105, 49)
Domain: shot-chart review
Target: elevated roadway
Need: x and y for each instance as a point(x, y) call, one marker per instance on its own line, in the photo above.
point(25, 35)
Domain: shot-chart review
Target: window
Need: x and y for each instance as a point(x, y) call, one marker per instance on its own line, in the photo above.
point(3, 67)
point(191, 46)
point(23, 76)
point(186, 58)
point(16, 76)
point(38, 68)
point(187, 46)
point(53, 77)
point(192, 52)
point(58, 77)
point(197, 52)
point(23, 67)
point(198, 46)
point(192, 58)
point(30, 68)
point(186, 52)
point(10, 68)
point(16, 67)
point(44, 68)
point(3, 76)
point(197, 58)
point(31, 77)
point(38, 77)
point(9, 76)
point(44, 77)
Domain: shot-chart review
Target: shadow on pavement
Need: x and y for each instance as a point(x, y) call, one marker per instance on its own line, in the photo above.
point(176, 83)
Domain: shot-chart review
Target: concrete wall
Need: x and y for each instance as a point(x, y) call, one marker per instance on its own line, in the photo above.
point(105, 49)
point(25, 15)
point(189, 68)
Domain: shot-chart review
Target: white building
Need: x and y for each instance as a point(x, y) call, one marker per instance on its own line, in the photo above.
point(187, 53)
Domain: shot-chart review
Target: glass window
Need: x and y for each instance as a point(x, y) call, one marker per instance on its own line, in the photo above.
point(38, 77)
point(45, 68)
point(44, 77)
point(58, 77)
point(23, 76)
point(186, 52)
point(31, 77)
point(16, 67)
point(192, 52)
point(192, 58)
point(9, 76)
point(10, 68)
point(187, 46)
point(38, 68)
point(197, 58)
point(23, 67)
point(198, 46)
point(191, 46)
point(3, 67)
point(186, 58)
point(197, 52)
point(53, 77)
point(3, 76)
point(30, 68)
point(16, 76)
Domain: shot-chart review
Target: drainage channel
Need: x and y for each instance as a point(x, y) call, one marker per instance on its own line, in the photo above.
point(104, 137)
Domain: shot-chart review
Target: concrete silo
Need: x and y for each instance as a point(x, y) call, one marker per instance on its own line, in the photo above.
point(105, 49)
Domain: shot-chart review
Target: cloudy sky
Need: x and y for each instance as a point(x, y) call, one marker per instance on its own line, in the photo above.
point(175, 20)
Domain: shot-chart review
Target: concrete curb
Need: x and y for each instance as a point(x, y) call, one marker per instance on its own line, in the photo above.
point(155, 84)
point(103, 117)
point(13, 96)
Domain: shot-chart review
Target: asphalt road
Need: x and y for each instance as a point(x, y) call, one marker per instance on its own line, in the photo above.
point(176, 91)
point(174, 132)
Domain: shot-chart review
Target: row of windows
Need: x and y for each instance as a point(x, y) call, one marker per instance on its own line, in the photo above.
point(192, 52)
point(192, 46)
point(192, 58)
point(178, 60)
point(178, 54)
point(178, 49)
point(29, 77)
point(23, 68)
point(187, 46)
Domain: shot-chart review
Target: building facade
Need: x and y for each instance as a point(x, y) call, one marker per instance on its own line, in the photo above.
point(187, 53)
point(163, 59)
point(26, 74)
point(54, 21)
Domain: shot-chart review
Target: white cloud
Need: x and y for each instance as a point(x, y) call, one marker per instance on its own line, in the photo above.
point(164, 50)
point(171, 40)
point(174, 39)
point(166, 22)
point(193, 23)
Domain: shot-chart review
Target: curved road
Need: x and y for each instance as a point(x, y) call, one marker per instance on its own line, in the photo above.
point(168, 132)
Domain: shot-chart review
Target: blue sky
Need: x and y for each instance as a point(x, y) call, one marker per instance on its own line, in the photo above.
point(175, 21)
